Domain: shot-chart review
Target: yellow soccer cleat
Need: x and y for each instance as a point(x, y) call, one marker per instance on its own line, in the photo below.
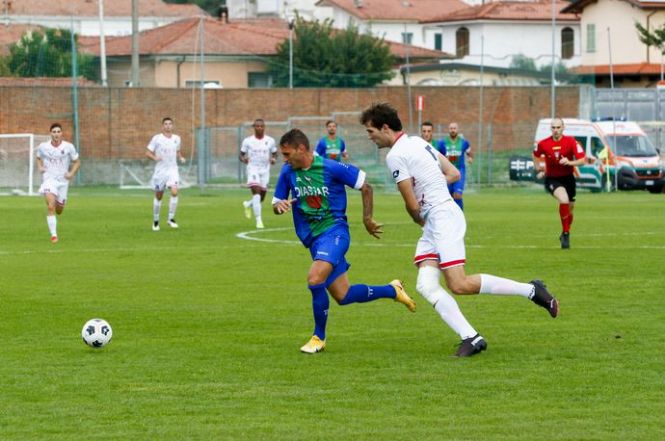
point(314, 345)
point(248, 210)
point(402, 296)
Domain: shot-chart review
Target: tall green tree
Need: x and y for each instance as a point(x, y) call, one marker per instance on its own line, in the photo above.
point(654, 38)
point(48, 54)
point(325, 57)
point(522, 62)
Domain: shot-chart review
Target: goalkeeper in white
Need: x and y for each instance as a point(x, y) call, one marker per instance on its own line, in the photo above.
point(57, 161)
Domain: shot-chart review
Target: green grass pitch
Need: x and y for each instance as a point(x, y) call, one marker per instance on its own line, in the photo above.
point(207, 325)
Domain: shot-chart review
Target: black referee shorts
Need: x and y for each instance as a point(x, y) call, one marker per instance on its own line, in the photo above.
point(567, 182)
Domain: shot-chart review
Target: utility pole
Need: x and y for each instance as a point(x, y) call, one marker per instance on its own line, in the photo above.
point(135, 43)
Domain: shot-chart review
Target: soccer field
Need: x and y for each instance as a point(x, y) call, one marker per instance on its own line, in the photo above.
point(208, 320)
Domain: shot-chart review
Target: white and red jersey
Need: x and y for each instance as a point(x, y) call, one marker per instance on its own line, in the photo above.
point(167, 148)
point(258, 151)
point(411, 157)
point(56, 160)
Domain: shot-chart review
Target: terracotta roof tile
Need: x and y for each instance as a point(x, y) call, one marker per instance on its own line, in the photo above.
point(182, 38)
point(395, 10)
point(619, 69)
point(509, 10)
point(579, 5)
point(112, 8)
point(242, 37)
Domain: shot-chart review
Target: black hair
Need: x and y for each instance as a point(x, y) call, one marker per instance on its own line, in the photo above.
point(294, 138)
point(379, 114)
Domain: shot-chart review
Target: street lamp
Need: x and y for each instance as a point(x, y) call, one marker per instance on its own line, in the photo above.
point(292, 24)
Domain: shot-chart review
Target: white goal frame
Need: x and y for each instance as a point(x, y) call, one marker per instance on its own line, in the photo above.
point(31, 157)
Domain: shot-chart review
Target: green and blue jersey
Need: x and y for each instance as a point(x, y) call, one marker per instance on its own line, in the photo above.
point(331, 148)
point(321, 195)
point(455, 150)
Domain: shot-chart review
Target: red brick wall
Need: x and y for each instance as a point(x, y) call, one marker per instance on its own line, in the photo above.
point(118, 123)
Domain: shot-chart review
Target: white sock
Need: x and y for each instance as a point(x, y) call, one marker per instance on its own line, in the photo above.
point(445, 305)
point(52, 222)
point(156, 208)
point(499, 286)
point(256, 206)
point(173, 205)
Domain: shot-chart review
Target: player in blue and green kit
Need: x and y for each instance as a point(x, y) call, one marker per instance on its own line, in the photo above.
point(332, 146)
point(456, 148)
point(318, 202)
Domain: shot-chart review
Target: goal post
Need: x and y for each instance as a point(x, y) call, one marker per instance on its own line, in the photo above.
point(17, 163)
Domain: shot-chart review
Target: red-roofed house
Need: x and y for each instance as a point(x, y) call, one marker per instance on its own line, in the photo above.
point(634, 64)
point(236, 53)
point(395, 20)
point(84, 14)
point(500, 30)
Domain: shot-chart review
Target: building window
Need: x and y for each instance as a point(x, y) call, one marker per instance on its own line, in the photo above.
point(438, 42)
point(259, 80)
point(462, 42)
point(591, 38)
point(567, 43)
point(206, 84)
point(407, 37)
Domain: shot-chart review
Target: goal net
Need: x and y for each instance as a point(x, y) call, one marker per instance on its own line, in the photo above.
point(18, 171)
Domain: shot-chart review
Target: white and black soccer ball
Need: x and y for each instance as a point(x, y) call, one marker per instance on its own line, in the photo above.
point(97, 333)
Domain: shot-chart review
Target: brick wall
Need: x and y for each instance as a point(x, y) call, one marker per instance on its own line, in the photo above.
point(118, 123)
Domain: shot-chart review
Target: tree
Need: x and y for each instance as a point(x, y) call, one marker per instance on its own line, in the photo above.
point(4, 67)
point(655, 38)
point(48, 54)
point(325, 57)
point(522, 62)
point(559, 69)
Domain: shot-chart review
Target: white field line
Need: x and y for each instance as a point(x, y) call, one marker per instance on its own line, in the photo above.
point(253, 235)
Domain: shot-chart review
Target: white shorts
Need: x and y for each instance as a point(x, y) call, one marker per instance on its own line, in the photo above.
point(258, 177)
point(56, 187)
point(443, 237)
point(168, 178)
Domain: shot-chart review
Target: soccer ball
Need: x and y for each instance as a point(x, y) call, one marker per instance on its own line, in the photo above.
point(97, 333)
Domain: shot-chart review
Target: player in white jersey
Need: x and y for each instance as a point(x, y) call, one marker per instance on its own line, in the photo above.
point(421, 174)
point(57, 161)
point(164, 149)
point(258, 152)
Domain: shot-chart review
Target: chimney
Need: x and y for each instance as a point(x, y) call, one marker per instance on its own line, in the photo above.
point(224, 13)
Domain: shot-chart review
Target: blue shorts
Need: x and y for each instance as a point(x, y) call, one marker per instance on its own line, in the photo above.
point(458, 187)
point(331, 247)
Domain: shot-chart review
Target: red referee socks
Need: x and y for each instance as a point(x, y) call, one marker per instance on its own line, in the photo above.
point(566, 217)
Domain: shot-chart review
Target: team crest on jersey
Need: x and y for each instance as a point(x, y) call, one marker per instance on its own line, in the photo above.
point(314, 201)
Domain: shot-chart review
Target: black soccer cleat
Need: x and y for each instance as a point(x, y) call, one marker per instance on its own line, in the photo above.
point(471, 346)
point(542, 297)
point(565, 241)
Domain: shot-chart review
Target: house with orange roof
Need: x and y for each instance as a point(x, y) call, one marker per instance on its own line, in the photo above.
point(500, 30)
point(606, 24)
point(82, 16)
point(491, 33)
point(235, 53)
point(402, 21)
